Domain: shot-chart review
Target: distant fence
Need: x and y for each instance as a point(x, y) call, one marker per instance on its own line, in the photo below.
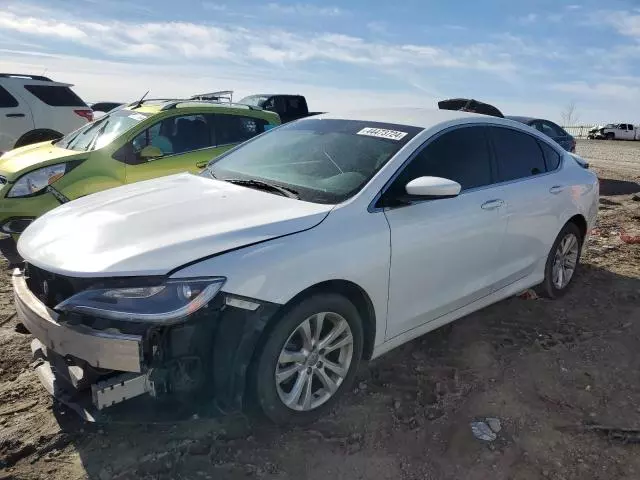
point(579, 131)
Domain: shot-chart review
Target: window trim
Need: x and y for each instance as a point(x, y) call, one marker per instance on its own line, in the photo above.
point(373, 205)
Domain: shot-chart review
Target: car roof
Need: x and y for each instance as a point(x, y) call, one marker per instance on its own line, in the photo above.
point(417, 117)
point(521, 119)
point(166, 105)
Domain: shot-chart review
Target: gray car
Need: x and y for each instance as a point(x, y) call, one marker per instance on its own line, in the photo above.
point(550, 129)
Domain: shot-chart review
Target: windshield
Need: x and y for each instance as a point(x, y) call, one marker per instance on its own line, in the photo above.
point(324, 161)
point(101, 132)
point(254, 100)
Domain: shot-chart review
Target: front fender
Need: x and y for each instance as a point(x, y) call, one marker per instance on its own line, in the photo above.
point(89, 185)
point(277, 270)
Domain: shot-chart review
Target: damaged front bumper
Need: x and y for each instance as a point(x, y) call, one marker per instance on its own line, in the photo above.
point(90, 369)
point(56, 343)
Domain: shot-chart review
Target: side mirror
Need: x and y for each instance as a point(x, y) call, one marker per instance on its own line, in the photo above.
point(432, 187)
point(150, 152)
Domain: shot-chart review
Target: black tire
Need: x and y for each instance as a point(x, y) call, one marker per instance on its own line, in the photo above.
point(262, 378)
point(547, 288)
point(36, 136)
point(610, 136)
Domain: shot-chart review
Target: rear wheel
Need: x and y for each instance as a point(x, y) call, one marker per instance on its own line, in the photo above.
point(562, 262)
point(309, 359)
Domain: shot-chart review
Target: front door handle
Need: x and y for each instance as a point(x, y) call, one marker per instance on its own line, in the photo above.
point(556, 189)
point(15, 115)
point(492, 204)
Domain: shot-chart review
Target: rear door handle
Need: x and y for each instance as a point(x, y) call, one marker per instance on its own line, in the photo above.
point(556, 189)
point(15, 115)
point(492, 204)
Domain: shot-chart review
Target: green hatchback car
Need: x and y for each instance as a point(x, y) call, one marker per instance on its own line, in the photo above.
point(137, 142)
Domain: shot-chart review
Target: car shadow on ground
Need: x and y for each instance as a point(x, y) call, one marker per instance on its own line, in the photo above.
point(534, 364)
point(610, 187)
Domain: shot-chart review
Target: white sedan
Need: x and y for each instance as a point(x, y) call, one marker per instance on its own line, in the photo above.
point(297, 255)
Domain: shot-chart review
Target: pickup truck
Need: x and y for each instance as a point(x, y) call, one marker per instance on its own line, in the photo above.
point(289, 107)
point(615, 131)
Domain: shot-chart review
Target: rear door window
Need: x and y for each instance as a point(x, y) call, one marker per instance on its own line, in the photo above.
point(230, 129)
point(6, 99)
point(518, 155)
point(55, 96)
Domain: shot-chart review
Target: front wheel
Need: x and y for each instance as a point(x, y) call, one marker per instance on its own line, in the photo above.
point(309, 359)
point(610, 136)
point(562, 262)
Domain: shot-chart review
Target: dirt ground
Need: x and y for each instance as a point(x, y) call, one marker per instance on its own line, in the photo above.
point(562, 376)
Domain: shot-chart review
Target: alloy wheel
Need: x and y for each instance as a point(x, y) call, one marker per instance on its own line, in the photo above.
point(565, 261)
point(314, 361)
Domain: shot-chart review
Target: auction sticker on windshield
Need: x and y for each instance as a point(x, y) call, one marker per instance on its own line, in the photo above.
point(382, 133)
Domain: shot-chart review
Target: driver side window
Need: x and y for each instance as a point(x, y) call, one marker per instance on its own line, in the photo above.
point(461, 155)
point(175, 135)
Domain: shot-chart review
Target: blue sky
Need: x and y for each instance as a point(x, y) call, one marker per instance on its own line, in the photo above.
point(527, 58)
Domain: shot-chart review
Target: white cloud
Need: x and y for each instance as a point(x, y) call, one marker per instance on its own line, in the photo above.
point(377, 27)
point(305, 10)
point(214, 7)
point(528, 19)
point(176, 42)
point(625, 23)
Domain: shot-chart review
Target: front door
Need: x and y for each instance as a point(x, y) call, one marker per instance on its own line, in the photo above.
point(443, 251)
point(184, 143)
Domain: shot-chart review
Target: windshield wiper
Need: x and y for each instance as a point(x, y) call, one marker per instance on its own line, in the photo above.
point(284, 191)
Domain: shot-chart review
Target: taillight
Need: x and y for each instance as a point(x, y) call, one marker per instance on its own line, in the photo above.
point(88, 114)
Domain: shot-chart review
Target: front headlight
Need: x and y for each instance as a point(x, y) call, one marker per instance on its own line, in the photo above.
point(167, 303)
point(34, 182)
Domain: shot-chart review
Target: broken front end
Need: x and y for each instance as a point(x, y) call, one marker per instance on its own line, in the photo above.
point(100, 342)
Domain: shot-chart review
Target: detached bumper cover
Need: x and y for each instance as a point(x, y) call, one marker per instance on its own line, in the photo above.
point(112, 351)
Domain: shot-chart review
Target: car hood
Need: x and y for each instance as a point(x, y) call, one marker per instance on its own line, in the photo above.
point(20, 160)
point(156, 226)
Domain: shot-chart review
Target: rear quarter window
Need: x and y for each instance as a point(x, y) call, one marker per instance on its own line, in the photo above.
point(55, 96)
point(551, 156)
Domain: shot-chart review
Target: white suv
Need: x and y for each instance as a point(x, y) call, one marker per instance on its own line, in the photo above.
point(34, 108)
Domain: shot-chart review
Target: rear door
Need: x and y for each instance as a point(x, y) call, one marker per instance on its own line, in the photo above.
point(534, 193)
point(15, 119)
point(233, 129)
point(443, 251)
point(631, 132)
